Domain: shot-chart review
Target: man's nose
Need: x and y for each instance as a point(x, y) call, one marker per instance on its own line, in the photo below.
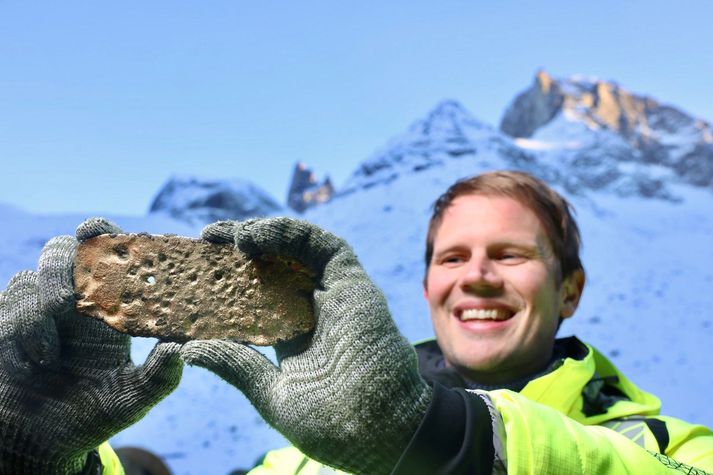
point(481, 276)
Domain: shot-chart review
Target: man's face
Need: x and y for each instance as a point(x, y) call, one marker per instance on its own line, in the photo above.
point(492, 288)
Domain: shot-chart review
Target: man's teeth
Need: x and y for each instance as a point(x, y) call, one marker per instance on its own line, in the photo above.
point(480, 314)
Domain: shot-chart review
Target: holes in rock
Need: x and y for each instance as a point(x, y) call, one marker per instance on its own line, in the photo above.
point(161, 256)
point(121, 251)
point(148, 262)
point(193, 277)
point(217, 275)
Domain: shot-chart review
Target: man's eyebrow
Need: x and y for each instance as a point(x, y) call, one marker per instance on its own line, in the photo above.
point(505, 243)
point(449, 248)
point(517, 242)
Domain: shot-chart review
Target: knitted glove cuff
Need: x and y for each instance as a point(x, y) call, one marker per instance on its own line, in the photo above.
point(383, 458)
point(395, 433)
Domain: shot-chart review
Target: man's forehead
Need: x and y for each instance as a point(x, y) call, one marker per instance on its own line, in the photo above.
point(501, 209)
point(505, 217)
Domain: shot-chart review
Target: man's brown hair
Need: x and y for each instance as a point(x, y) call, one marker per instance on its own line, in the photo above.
point(553, 211)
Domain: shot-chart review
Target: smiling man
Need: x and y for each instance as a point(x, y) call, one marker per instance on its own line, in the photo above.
point(495, 392)
point(502, 272)
point(495, 286)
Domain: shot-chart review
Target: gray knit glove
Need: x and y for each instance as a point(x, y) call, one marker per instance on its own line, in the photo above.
point(67, 382)
point(350, 395)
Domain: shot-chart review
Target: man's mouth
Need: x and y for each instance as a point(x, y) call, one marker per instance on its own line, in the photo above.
point(497, 314)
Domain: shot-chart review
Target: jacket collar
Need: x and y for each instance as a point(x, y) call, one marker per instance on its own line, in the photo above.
point(579, 382)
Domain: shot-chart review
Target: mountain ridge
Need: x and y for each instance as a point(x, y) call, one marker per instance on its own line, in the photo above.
point(580, 133)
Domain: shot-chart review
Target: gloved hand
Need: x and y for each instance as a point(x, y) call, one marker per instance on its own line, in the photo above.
point(350, 395)
point(67, 382)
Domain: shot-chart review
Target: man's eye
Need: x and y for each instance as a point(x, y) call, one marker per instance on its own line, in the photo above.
point(452, 260)
point(512, 257)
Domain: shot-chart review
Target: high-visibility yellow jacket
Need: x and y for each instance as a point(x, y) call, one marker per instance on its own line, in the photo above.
point(583, 416)
point(109, 460)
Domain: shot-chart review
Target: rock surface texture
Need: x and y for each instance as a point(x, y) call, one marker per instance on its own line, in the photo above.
point(177, 289)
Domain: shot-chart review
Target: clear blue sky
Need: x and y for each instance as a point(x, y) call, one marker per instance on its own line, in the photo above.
point(101, 101)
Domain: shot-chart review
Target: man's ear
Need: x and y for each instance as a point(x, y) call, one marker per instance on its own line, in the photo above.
point(570, 293)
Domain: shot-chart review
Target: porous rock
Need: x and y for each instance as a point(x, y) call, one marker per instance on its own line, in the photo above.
point(177, 289)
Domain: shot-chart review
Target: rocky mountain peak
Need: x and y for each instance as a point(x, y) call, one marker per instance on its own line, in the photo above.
point(641, 129)
point(447, 119)
point(446, 132)
point(305, 191)
point(598, 103)
point(534, 107)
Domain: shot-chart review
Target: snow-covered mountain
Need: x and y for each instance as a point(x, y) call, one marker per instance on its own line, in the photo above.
point(605, 137)
point(205, 200)
point(448, 133)
point(646, 229)
point(580, 133)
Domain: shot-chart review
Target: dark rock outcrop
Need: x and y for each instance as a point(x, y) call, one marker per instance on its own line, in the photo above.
point(533, 108)
point(305, 191)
